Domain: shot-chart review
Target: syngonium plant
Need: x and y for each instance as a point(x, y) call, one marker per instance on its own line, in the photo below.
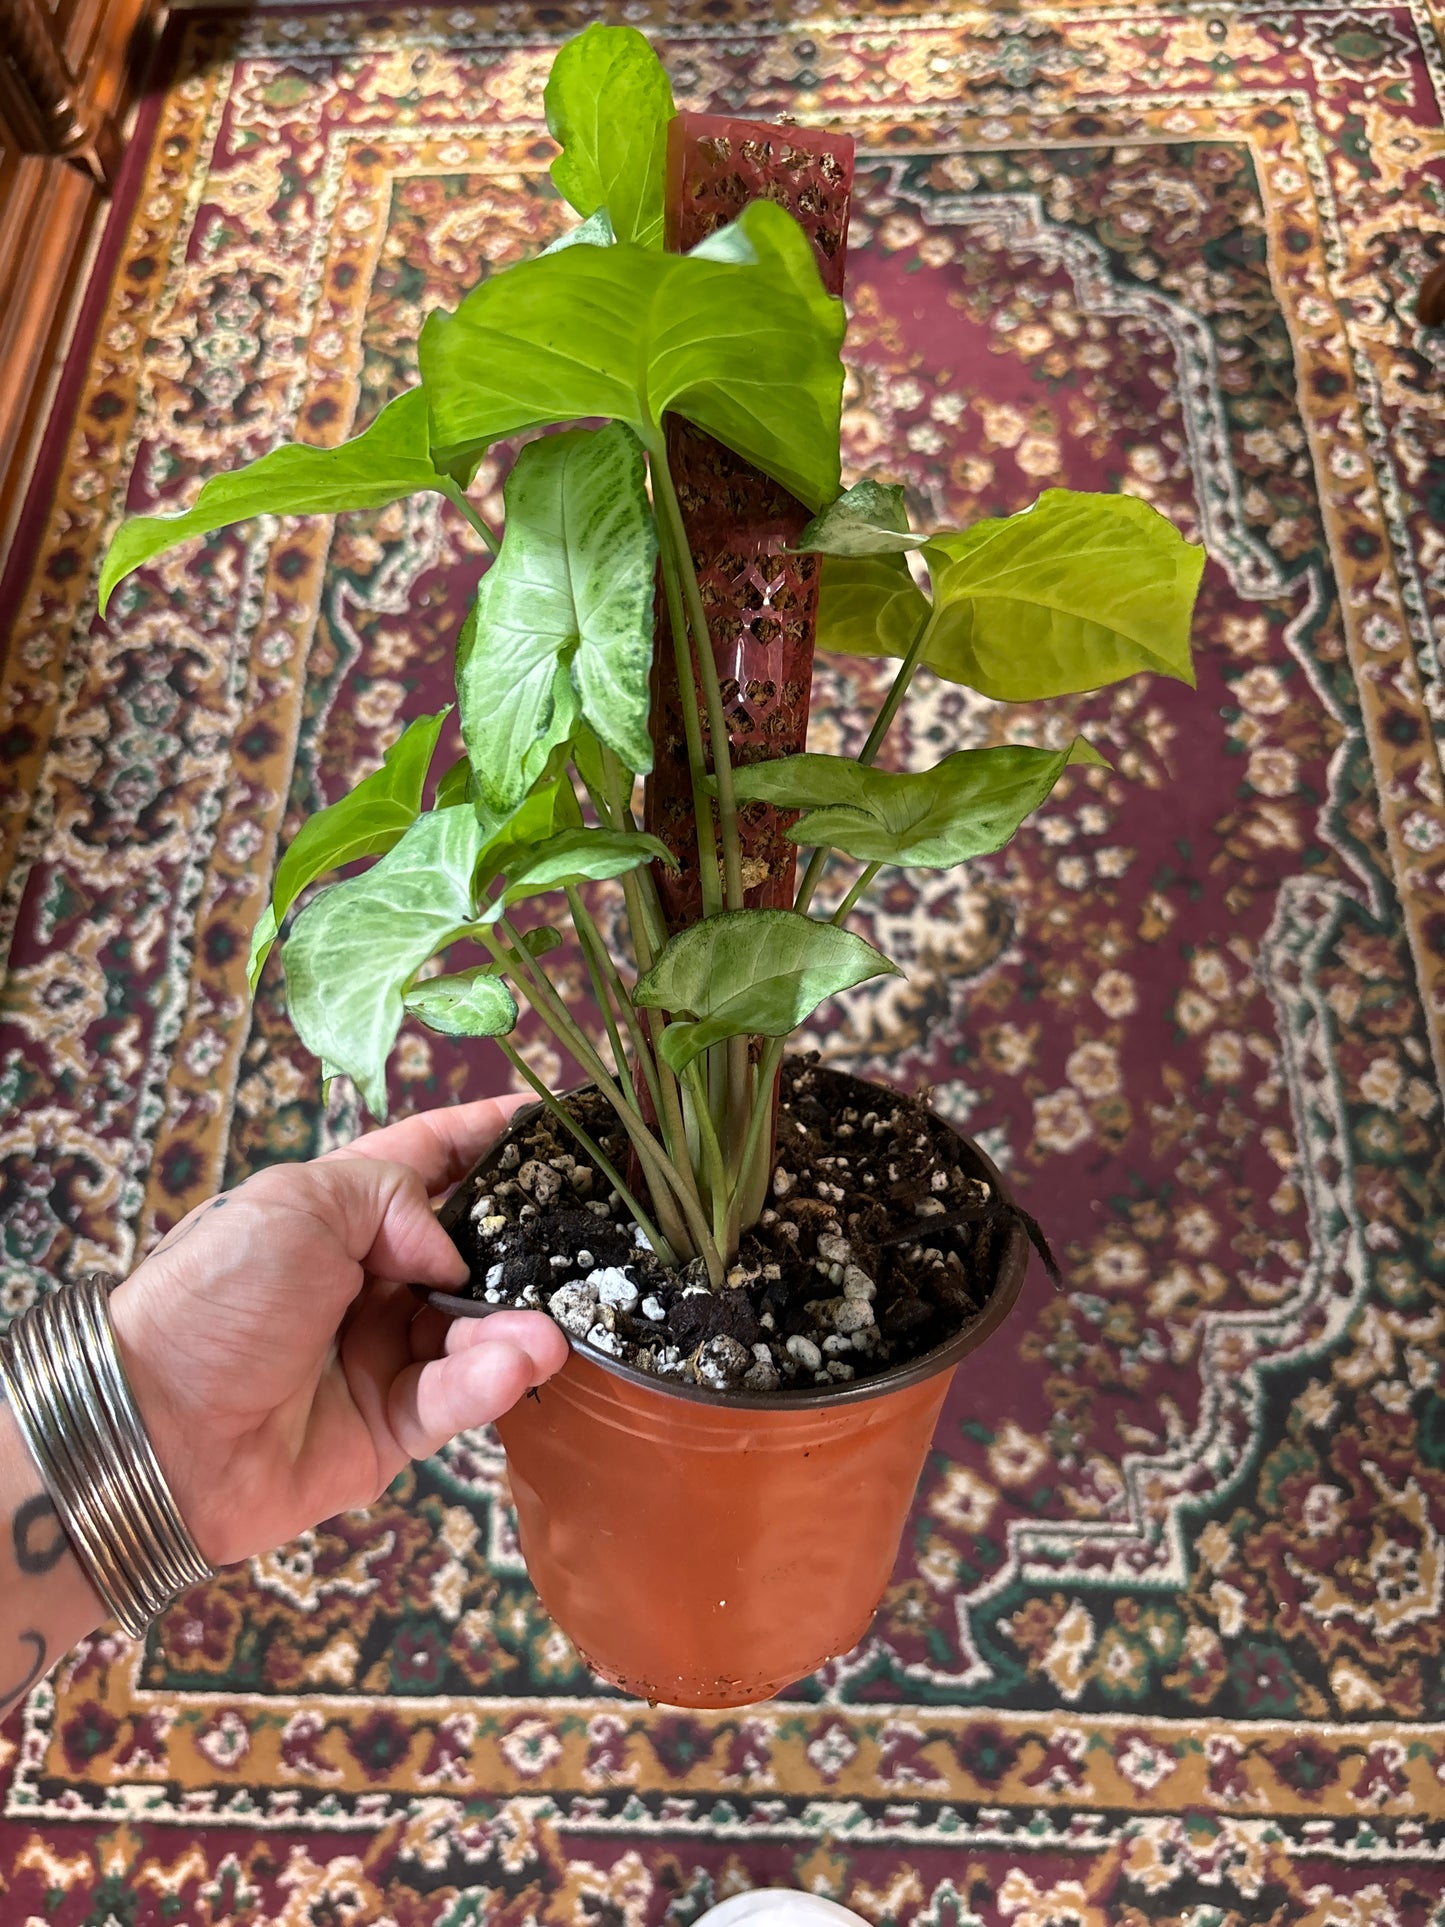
point(554, 661)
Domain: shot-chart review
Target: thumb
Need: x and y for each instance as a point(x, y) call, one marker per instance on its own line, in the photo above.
point(489, 1365)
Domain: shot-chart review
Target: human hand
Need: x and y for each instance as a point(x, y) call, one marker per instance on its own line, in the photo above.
point(284, 1370)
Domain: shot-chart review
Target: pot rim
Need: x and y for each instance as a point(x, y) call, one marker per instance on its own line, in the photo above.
point(1012, 1268)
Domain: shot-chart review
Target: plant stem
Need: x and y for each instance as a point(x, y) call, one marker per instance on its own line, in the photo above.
point(735, 1058)
point(640, 893)
point(712, 1151)
point(707, 857)
point(752, 1186)
point(649, 935)
point(599, 981)
point(547, 1002)
point(674, 1124)
point(881, 724)
point(883, 720)
point(602, 965)
point(727, 805)
point(649, 927)
point(599, 803)
point(810, 876)
point(840, 915)
point(737, 1093)
point(593, 1149)
point(457, 497)
point(662, 1174)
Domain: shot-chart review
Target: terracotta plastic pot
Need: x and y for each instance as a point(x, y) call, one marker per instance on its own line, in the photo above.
point(704, 1549)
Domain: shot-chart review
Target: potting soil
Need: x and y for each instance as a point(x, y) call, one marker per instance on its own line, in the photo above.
point(876, 1244)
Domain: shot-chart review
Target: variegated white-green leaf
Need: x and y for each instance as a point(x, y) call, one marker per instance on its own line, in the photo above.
point(562, 623)
point(355, 950)
point(870, 518)
point(595, 232)
point(470, 1003)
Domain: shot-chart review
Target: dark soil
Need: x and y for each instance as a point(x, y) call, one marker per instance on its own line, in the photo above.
point(876, 1246)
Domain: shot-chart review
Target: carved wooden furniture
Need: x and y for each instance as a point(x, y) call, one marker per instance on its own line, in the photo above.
point(70, 71)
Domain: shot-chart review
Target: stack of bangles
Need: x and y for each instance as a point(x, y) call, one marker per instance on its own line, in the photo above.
point(61, 1373)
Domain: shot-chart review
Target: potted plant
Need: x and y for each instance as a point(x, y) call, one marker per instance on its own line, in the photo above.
point(767, 1270)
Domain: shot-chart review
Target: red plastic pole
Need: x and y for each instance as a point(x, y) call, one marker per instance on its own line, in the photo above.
point(761, 603)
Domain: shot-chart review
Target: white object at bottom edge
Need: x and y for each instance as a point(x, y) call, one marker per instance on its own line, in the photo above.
point(780, 1907)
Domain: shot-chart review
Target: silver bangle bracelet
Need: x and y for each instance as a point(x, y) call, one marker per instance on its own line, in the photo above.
point(61, 1373)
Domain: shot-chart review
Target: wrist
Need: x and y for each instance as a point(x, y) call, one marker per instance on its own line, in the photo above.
point(148, 1361)
point(136, 1343)
point(47, 1602)
point(62, 1372)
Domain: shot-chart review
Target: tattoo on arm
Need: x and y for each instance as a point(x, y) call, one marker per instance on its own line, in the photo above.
point(37, 1536)
point(13, 1693)
point(186, 1226)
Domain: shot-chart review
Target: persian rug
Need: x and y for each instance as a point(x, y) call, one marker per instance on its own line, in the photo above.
point(1165, 1639)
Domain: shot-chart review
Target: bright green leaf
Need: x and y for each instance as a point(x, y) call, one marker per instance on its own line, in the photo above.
point(746, 348)
point(968, 805)
point(608, 103)
point(575, 856)
point(367, 822)
point(750, 973)
point(353, 953)
point(587, 755)
point(455, 785)
point(869, 605)
point(1073, 593)
point(387, 461)
point(510, 835)
point(537, 942)
point(868, 519)
point(564, 615)
point(472, 1003)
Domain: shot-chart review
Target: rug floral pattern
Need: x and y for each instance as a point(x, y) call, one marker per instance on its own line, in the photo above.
point(1164, 1643)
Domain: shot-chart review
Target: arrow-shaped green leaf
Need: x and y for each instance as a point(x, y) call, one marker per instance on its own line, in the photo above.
point(750, 973)
point(573, 857)
point(367, 822)
point(746, 346)
point(1074, 593)
point(387, 461)
point(353, 953)
point(968, 805)
point(608, 103)
point(869, 605)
